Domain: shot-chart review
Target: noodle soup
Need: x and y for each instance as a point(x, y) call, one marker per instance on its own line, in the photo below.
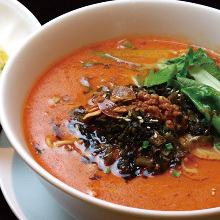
point(124, 121)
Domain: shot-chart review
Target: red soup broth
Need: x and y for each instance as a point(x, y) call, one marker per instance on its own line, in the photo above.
point(63, 87)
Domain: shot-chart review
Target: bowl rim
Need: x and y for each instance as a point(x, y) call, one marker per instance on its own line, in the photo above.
point(53, 180)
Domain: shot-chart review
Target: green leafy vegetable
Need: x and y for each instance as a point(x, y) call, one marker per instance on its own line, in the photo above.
point(162, 76)
point(212, 69)
point(201, 57)
point(182, 62)
point(185, 82)
point(203, 90)
point(181, 69)
point(198, 57)
point(207, 101)
point(205, 98)
point(201, 75)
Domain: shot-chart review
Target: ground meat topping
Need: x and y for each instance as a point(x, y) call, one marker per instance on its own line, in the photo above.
point(151, 104)
point(159, 106)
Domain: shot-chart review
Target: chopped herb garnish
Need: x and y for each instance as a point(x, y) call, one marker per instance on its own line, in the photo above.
point(145, 144)
point(107, 170)
point(169, 146)
point(176, 173)
point(88, 64)
point(165, 128)
point(37, 150)
point(128, 44)
point(55, 99)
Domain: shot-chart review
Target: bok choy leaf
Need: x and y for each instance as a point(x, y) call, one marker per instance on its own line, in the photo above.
point(207, 101)
point(203, 76)
point(162, 76)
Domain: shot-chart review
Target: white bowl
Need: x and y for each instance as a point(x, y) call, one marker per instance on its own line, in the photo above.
point(16, 24)
point(173, 19)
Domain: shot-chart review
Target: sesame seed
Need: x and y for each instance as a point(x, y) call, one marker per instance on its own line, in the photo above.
point(141, 120)
point(127, 119)
point(213, 191)
point(153, 120)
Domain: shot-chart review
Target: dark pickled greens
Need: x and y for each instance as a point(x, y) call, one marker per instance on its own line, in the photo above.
point(135, 141)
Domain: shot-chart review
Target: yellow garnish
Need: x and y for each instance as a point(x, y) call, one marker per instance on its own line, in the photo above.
point(3, 59)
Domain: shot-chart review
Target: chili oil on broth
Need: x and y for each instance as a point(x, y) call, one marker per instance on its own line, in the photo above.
point(46, 106)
